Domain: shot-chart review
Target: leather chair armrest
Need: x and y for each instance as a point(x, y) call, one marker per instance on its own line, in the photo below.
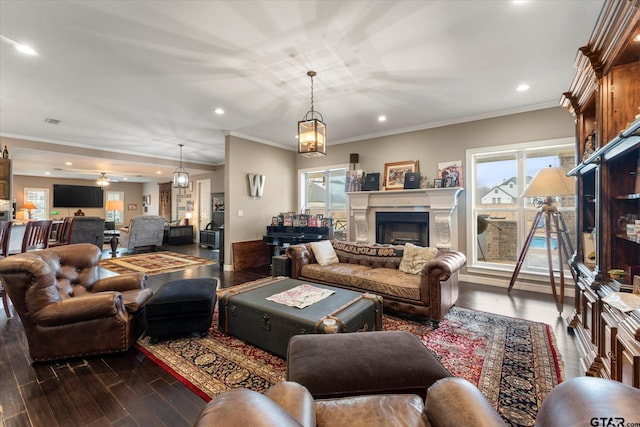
point(244, 407)
point(578, 401)
point(299, 256)
point(454, 401)
point(445, 264)
point(80, 309)
point(296, 400)
point(121, 283)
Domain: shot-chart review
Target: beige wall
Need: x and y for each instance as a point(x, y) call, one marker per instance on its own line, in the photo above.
point(246, 217)
point(448, 143)
point(132, 194)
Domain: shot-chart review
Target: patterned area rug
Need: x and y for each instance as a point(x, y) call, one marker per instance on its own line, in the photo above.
point(513, 362)
point(153, 263)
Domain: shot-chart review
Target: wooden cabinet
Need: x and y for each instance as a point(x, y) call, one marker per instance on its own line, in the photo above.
point(5, 179)
point(605, 99)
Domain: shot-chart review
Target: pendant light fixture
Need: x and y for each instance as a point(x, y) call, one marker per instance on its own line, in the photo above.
point(312, 131)
point(180, 175)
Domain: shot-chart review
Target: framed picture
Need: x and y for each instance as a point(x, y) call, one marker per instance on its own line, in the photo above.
point(274, 220)
point(448, 170)
point(132, 207)
point(394, 173)
point(437, 183)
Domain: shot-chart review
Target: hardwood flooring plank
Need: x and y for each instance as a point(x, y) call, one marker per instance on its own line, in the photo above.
point(37, 405)
point(186, 402)
point(103, 372)
point(135, 406)
point(61, 405)
point(84, 403)
point(166, 412)
point(11, 402)
point(99, 394)
point(18, 420)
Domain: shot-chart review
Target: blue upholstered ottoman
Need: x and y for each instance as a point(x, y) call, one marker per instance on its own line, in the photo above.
point(181, 307)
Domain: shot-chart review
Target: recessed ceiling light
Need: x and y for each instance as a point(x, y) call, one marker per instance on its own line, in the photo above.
point(382, 118)
point(637, 38)
point(47, 173)
point(125, 179)
point(218, 111)
point(68, 163)
point(159, 172)
point(523, 87)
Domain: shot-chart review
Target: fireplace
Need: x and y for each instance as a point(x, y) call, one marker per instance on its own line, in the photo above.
point(399, 228)
point(433, 207)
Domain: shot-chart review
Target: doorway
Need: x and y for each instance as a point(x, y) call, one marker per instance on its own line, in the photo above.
point(203, 205)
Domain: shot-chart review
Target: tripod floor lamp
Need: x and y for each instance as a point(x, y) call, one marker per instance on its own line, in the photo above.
point(549, 182)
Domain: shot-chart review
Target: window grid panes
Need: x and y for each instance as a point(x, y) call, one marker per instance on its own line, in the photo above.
point(117, 215)
point(502, 218)
point(323, 192)
point(40, 197)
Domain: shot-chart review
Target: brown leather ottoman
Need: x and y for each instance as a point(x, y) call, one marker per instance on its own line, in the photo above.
point(354, 363)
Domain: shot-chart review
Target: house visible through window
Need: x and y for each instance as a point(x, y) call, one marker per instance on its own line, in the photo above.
point(498, 176)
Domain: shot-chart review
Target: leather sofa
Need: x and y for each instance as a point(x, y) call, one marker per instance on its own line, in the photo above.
point(66, 309)
point(376, 269)
point(451, 401)
point(143, 231)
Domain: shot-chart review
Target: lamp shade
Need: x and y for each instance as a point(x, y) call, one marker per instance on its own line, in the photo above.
point(550, 182)
point(29, 206)
point(114, 205)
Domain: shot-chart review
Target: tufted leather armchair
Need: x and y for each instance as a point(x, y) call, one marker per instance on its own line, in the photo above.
point(66, 309)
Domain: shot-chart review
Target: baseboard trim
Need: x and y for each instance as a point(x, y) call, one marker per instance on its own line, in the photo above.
point(542, 288)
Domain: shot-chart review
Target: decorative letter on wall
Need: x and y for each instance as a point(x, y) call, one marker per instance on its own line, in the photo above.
point(256, 184)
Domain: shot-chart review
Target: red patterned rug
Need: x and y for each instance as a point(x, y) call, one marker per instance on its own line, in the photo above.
point(513, 362)
point(153, 263)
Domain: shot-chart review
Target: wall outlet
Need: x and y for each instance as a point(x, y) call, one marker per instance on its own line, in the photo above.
point(240, 212)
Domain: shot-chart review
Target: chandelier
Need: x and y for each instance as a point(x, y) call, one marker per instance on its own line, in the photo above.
point(180, 175)
point(103, 181)
point(312, 131)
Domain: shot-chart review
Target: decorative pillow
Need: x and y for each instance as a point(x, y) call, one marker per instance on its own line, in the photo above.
point(324, 253)
point(415, 257)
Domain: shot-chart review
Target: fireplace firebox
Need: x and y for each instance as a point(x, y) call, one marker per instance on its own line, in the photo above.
point(402, 227)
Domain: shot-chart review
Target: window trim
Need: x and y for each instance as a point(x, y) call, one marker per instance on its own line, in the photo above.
point(301, 186)
point(470, 176)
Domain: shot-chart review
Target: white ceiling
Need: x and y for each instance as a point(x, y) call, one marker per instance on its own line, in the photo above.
point(144, 76)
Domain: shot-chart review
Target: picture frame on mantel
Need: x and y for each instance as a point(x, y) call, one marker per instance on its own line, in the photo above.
point(394, 173)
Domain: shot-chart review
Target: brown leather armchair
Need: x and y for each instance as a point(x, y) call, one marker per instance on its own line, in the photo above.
point(66, 309)
point(291, 404)
point(451, 401)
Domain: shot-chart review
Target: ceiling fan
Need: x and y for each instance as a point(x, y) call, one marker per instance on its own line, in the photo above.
point(103, 180)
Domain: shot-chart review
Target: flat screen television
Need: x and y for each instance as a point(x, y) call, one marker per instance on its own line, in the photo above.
point(77, 196)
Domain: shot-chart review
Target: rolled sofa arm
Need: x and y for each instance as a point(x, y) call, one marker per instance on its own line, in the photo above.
point(454, 401)
point(121, 283)
point(445, 264)
point(299, 256)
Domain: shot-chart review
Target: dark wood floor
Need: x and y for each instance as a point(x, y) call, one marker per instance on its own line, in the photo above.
point(130, 390)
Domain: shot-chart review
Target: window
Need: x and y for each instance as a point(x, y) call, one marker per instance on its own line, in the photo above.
point(117, 216)
point(40, 197)
point(499, 232)
point(323, 192)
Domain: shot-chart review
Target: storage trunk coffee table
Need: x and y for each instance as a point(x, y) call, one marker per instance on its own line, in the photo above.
point(246, 313)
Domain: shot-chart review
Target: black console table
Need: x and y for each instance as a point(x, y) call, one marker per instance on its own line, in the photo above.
point(178, 235)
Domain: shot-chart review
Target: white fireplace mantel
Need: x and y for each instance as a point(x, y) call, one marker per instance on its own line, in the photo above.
point(440, 203)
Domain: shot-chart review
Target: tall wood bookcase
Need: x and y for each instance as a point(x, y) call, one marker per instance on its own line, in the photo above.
point(605, 99)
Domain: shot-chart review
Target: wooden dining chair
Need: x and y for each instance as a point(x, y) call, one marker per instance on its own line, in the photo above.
point(36, 235)
point(5, 234)
point(63, 233)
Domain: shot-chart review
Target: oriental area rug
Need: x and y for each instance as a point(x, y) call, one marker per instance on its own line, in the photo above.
point(153, 263)
point(513, 362)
